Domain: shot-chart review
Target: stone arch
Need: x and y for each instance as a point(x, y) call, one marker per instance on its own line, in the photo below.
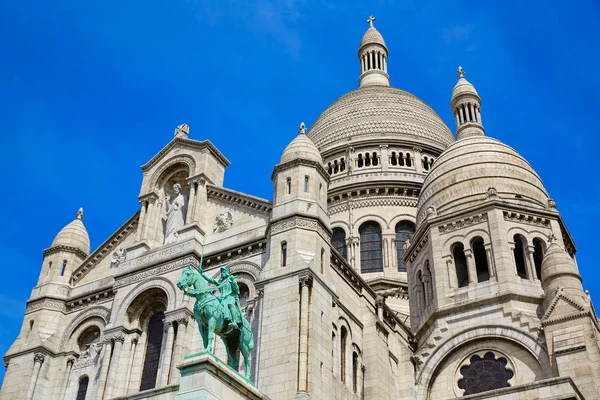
point(155, 282)
point(98, 313)
point(456, 238)
point(472, 234)
point(342, 321)
point(369, 217)
point(183, 159)
point(432, 364)
point(340, 224)
point(250, 268)
point(403, 217)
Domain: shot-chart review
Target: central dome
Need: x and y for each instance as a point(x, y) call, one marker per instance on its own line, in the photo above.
point(379, 113)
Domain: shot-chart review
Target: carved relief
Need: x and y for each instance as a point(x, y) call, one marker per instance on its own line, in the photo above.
point(157, 271)
point(118, 257)
point(223, 222)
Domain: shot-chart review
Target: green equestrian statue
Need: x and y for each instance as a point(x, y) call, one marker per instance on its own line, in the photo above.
point(230, 295)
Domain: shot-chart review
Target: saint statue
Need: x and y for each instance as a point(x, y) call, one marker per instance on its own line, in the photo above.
point(174, 208)
point(229, 295)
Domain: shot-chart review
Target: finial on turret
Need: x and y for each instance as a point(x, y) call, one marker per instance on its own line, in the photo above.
point(182, 131)
point(460, 72)
point(79, 214)
point(302, 129)
point(370, 21)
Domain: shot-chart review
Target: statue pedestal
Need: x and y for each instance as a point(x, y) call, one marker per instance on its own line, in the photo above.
point(204, 376)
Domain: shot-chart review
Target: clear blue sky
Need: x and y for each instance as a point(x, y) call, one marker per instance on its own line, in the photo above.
point(89, 91)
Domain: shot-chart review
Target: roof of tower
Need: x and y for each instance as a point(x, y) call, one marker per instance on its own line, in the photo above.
point(74, 234)
point(475, 169)
point(379, 112)
point(372, 36)
point(557, 261)
point(301, 148)
point(463, 86)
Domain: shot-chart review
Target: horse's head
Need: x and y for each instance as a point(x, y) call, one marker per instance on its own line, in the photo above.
point(188, 277)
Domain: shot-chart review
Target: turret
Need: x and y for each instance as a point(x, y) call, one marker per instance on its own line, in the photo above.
point(69, 248)
point(373, 54)
point(466, 106)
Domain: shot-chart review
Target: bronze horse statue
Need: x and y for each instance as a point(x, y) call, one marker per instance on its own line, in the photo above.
point(214, 317)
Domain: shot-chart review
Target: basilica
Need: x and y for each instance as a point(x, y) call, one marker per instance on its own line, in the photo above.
point(397, 259)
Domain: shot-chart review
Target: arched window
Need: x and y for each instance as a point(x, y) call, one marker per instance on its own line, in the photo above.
point(375, 159)
point(82, 388)
point(289, 185)
point(481, 261)
point(404, 231)
point(371, 257)
point(354, 372)
point(425, 163)
point(422, 289)
point(342, 165)
point(408, 160)
point(401, 159)
point(343, 339)
point(329, 169)
point(367, 160)
point(64, 267)
point(153, 349)
point(393, 160)
point(538, 256)
point(283, 254)
point(244, 294)
point(519, 253)
point(49, 268)
point(360, 162)
point(306, 184)
point(460, 264)
point(336, 167)
point(322, 260)
point(338, 241)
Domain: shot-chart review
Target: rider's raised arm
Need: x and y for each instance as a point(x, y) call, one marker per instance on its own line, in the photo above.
point(209, 279)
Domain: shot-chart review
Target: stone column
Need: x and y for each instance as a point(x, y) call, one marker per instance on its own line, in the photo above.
point(384, 160)
point(200, 197)
point(106, 354)
point(114, 366)
point(471, 267)
point(70, 362)
point(132, 348)
point(384, 64)
point(453, 280)
point(305, 282)
point(141, 221)
point(155, 225)
point(457, 118)
point(166, 362)
point(38, 360)
point(138, 362)
point(490, 260)
point(471, 114)
point(529, 250)
point(418, 165)
point(464, 114)
point(178, 350)
point(191, 206)
point(478, 111)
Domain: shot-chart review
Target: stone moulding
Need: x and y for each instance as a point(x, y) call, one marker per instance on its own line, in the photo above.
point(346, 272)
point(48, 304)
point(85, 301)
point(528, 219)
point(105, 248)
point(69, 249)
point(188, 144)
point(299, 222)
point(237, 198)
point(244, 250)
point(418, 248)
point(297, 162)
point(157, 256)
point(159, 270)
point(463, 222)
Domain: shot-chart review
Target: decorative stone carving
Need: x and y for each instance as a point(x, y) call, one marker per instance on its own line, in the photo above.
point(39, 357)
point(49, 304)
point(491, 193)
point(462, 223)
point(118, 257)
point(156, 271)
point(431, 212)
point(406, 244)
point(223, 222)
point(175, 219)
point(551, 204)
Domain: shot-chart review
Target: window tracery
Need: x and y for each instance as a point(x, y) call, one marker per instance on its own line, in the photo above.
point(371, 254)
point(485, 373)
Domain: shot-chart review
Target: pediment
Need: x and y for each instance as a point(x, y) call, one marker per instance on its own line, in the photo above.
point(188, 146)
point(564, 305)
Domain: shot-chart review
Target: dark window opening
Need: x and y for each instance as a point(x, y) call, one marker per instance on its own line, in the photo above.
point(538, 256)
point(343, 338)
point(481, 261)
point(393, 160)
point(375, 159)
point(354, 372)
point(289, 185)
point(519, 253)
point(367, 160)
point(342, 165)
point(360, 161)
point(483, 374)
point(408, 160)
point(404, 231)
point(82, 388)
point(460, 264)
point(338, 241)
point(64, 267)
point(283, 254)
point(371, 255)
point(153, 349)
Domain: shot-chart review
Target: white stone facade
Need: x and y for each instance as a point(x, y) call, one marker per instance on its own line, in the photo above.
point(394, 262)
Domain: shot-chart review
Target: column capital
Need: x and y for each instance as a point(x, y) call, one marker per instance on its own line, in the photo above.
point(305, 280)
point(70, 361)
point(149, 197)
point(39, 357)
point(417, 149)
point(135, 338)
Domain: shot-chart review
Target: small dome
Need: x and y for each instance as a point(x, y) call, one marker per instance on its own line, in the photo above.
point(372, 36)
point(74, 235)
point(474, 169)
point(301, 148)
point(463, 86)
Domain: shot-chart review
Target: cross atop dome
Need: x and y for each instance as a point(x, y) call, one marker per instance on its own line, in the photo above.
point(460, 72)
point(302, 129)
point(370, 21)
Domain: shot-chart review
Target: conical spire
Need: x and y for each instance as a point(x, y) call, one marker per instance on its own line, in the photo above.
point(466, 106)
point(74, 235)
point(373, 54)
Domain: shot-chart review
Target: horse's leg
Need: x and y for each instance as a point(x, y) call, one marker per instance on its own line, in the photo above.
point(246, 353)
point(211, 332)
point(201, 327)
point(230, 354)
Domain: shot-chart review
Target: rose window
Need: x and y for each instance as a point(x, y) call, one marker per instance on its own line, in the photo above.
point(483, 374)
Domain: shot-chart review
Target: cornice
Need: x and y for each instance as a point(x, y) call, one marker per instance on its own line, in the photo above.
point(104, 249)
point(239, 252)
point(302, 222)
point(91, 299)
point(300, 161)
point(69, 249)
point(239, 199)
point(189, 144)
point(141, 274)
point(46, 303)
